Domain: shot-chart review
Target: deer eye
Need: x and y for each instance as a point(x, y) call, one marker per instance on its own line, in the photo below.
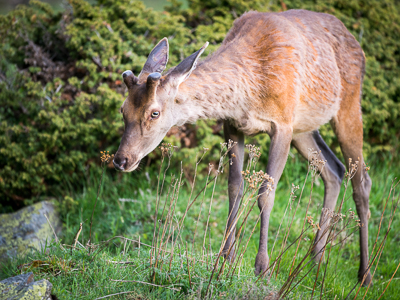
point(155, 114)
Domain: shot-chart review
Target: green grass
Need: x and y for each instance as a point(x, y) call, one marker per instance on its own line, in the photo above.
point(79, 274)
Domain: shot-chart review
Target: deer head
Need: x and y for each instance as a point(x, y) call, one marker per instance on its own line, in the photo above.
point(150, 109)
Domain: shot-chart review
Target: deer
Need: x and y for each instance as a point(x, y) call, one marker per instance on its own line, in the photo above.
point(284, 74)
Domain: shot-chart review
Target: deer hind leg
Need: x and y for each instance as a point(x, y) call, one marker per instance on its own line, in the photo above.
point(235, 183)
point(278, 153)
point(332, 174)
point(349, 130)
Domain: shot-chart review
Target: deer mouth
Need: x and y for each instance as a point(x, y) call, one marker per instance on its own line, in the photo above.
point(133, 167)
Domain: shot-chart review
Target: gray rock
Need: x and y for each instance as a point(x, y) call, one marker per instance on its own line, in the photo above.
point(13, 283)
point(24, 287)
point(27, 229)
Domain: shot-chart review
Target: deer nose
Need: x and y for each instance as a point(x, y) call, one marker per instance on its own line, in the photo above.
point(119, 163)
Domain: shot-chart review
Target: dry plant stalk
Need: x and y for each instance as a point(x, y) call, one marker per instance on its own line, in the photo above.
point(167, 230)
point(159, 248)
point(253, 180)
point(165, 149)
point(202, 200)
point(381, 246)
point(55, 235)
point(77, 234)
point(314, 165)
point(105, 159)
point(219, 170)
point(391, 191)
point(188, 266)
point(147, 283)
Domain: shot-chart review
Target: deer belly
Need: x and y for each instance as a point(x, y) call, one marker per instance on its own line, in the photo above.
point(310, 116)
point(319, 96)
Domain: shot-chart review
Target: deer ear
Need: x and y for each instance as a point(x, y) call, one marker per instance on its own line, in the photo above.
point(157, 60)
point(182, 71)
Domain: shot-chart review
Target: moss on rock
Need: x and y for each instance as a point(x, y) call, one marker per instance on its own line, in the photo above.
point(23, 287)
point(27, 229)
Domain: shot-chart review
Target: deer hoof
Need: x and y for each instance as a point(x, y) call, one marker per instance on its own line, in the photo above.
point(261, 265)
point(367, 280)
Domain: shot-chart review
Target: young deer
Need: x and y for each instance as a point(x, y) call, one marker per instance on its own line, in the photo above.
point(285, 74)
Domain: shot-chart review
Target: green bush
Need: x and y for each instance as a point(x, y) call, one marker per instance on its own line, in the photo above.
point(60, 86)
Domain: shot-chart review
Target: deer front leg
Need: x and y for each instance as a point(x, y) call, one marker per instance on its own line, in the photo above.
point(235, 182)
point(278, 153)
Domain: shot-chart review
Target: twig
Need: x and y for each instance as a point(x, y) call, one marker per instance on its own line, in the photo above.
point(123, 252)
point(326, 268)
point(157, 253)
point(120, 262)
point(316, 276)
point(312, 267)
point(304, 222)
point(377, 235)
point(158, 197)
point(201, 207)
point(55, 235)
point(115, 237)
point(173, 250)
point(139, 248)
point(77, 235)
point(389, 281)
point(163, 286)
point(121, 293)
point(369, 266)
point(287, 230)
point(187, 259)
point(95, 203)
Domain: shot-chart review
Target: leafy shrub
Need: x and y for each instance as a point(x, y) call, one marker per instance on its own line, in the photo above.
point(60, 86)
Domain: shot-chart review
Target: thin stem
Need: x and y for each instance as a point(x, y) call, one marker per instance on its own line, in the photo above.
point(158, 197)
point(95, 203)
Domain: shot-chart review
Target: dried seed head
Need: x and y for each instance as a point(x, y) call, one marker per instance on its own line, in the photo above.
point(257, 179)
point(167, 149)
point(105, 156)
point(254, 152)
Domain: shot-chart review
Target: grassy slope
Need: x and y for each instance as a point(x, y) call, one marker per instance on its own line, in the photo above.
point(82, 278)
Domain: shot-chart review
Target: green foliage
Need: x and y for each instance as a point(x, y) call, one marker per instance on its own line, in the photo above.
point(61, 89)
point(60, 86)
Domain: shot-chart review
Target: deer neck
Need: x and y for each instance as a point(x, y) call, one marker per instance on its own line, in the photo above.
point(213, 91)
